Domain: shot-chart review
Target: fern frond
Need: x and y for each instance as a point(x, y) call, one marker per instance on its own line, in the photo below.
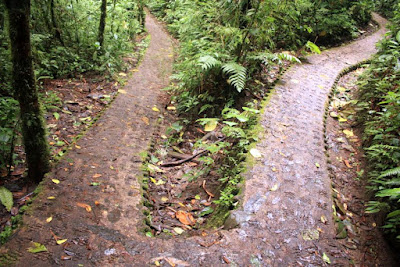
point(237, 74)
point(390, 172)
point(208, 62)
point(288, 57)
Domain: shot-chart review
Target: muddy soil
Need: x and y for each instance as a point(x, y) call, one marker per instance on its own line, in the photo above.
point(96, 205)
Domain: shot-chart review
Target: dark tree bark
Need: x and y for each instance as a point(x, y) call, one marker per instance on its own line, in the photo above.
point(102, 24)
point(33, 127)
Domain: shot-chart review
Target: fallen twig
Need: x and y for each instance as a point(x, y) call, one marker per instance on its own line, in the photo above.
point(179, 162)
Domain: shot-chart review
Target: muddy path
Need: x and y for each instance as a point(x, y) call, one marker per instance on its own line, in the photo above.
point(96, 205)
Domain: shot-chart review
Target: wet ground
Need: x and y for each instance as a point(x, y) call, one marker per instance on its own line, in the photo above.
point(286, 214)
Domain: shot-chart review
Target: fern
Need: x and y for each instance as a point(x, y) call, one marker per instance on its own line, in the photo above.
point(395, 171)
point(237, 75)
point(208, 62)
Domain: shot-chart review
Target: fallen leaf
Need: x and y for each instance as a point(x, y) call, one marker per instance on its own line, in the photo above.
point(51, 198)
point(320, 86)
point(85, 206)
point(211, 125)
point(122, 74)
point(122, 91)
point(310, 234)
point(155, 109)
point(317, 164)
point(146, 120)
point(55, 181)
point(164, 199)
point(61, 241)
point(324, 219)
point(153, 168)
point(164, 137)
point(255, 153)
point(347, 163)
point(66, 258)
point(326, 258)
point(171, 108)
point(37, 247)
point(342, 119)
point(78, 147)
point(94, 184)
point(185, 217)
point(348, 133)
point(178, 230)
point(97, 175)
point(333, 114)
point(49, 219)
point(274, 188)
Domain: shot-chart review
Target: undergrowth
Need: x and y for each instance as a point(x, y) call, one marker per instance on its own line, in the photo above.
point(380, 115)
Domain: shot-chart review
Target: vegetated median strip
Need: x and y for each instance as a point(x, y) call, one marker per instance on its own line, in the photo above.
point(198, 191)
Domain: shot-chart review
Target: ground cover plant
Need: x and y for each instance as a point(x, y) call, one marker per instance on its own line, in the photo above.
point(227, 50)
point(380, 116)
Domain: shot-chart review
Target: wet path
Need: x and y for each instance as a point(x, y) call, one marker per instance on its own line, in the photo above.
point(278, 227)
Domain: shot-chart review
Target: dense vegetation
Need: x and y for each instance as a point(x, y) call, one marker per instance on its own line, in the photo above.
point(66, 41)
point(380, 88)
point(224, 43)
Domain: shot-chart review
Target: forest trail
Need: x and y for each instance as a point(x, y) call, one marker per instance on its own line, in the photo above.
point(286, 193)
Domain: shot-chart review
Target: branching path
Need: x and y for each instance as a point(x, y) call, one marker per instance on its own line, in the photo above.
point(278, 227)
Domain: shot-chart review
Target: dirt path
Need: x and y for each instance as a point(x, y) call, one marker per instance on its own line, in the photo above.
point(286, 193)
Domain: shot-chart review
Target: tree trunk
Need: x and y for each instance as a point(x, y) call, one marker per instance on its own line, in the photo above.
point(102, 24)
point(33, 127)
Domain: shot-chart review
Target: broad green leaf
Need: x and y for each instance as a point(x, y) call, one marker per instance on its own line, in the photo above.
point(398, 36)
point(6, 198)
point(206, 211)
point(56, 115)
point(36, 248)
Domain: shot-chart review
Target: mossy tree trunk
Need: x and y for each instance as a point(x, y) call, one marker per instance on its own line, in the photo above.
point(102, 24)
point(33, 127)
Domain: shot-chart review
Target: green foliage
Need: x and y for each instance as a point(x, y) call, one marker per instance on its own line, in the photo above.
point(224, 43)
point(380, 87)
point(6, 198)
point(8, 125)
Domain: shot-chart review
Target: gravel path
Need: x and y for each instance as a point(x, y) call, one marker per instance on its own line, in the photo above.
point(286, 192)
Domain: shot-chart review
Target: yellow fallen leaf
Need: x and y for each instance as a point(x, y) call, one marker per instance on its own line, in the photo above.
point(78, 147)
point(210, 126)
point(134, 70)
point(160, 182)
point(49, 219)
point(155, 109)
point(61, 241)
point(348, 133)
point(146, 120)
point(111, 167)
point(164, 137)
point(274, 169)
point(55, 181)
point(274, 188)
point(122, 74)
point(255, 153)
point(122, 91)
point(51, 198)
point(317, 164)
point(324, 219)
point(178, 230)
point(342, 119)
point(171, 108)
point(164, 199)
point(153, 180)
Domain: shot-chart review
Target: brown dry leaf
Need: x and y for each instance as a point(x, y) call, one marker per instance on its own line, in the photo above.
point(97, 175)
point(185, 217)
point(146, 120)
point(87, 207)
point(347, 164)
point(208, 192)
